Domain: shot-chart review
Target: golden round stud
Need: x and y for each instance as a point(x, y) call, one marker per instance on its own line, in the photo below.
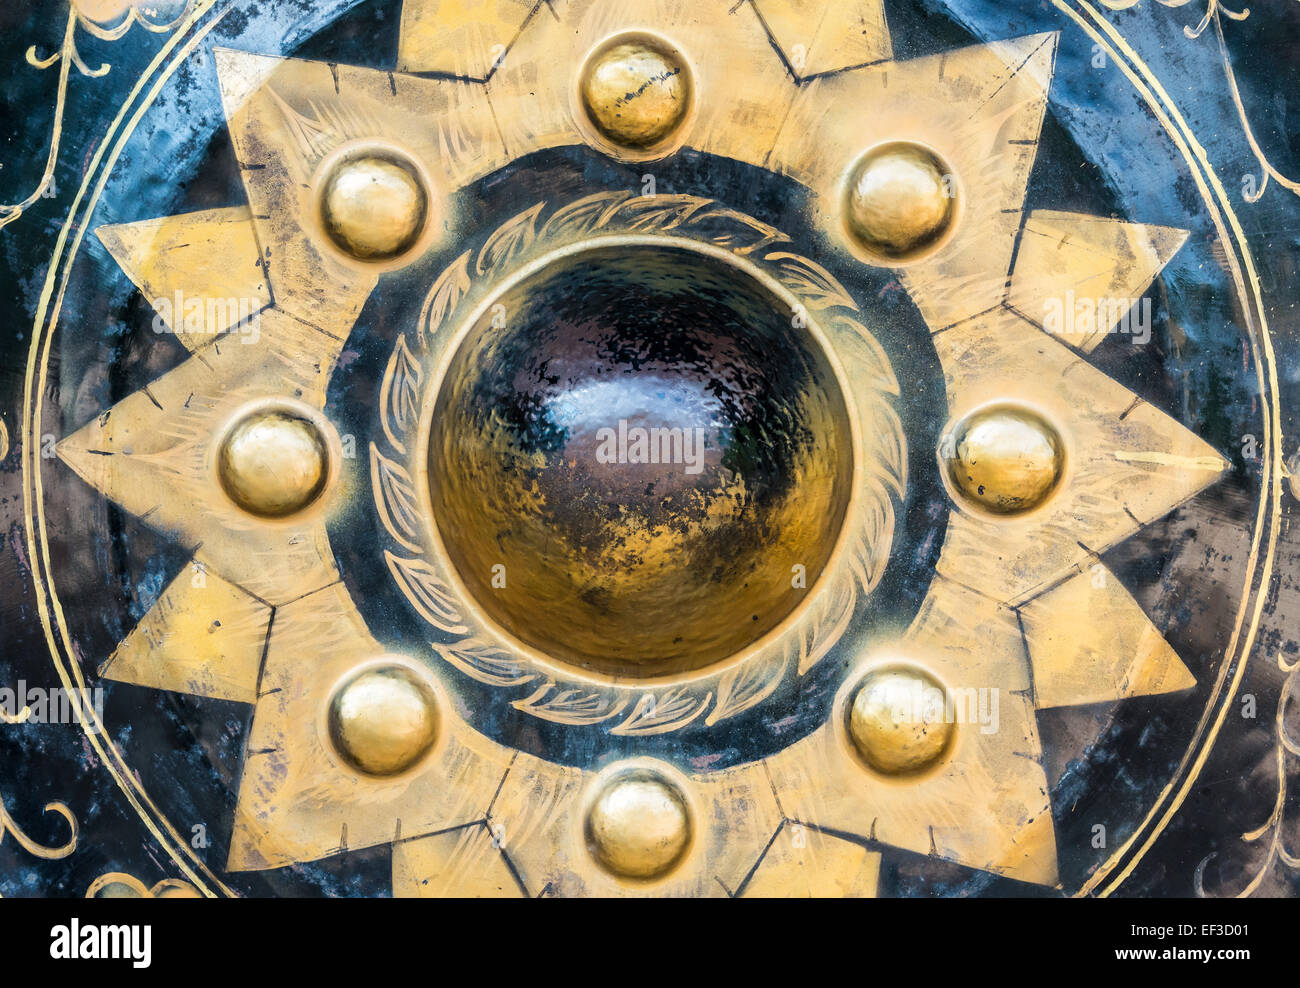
point(273, 463)
point(900, 202)
point(175, 888)
point(639, 826)
point(1005, 459)
point(374, 208)
point(897, 721)
point(636, 91)
point(383, 720)
point(117, 885)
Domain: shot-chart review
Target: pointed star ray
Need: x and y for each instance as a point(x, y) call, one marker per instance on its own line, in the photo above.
point(1090, 642)
point(1128, 463)
point(297, 800)
point(169, 260)
point(153, 452)
point(203, 636)
point(1068, 258)
point(980, 108)
point(820, 36)
point(286, 116)
point(459, 37)
point(540, 812)
point(985, 805)
point(738, 101)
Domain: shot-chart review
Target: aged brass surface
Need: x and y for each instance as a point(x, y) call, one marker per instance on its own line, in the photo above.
point(636, 91)
point(1101, 258)
point(578, 521)
point(510, 531)
point(383, 720)
point(638, 826)
point(1005, 459)
point(894, 722)
point(901, 201)
point(273, 463)
point(373, 208)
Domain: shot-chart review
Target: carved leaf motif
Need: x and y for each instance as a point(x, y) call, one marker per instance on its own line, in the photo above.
point(829, 617)
point(570, 706)
point(659, 715)
point(583, 216)
point(485, 662)
point(883, 434)
point(868, 549)
point(736, 231)
point(512, 238)
point(399, 395)
point(747, 685)
point(863, 351)
point(660, 212)
point(810, 281)
point(428, 594)
point(444, 296)
point(396, 499)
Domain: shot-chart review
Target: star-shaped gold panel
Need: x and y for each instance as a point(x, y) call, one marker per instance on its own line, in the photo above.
point(265, 619)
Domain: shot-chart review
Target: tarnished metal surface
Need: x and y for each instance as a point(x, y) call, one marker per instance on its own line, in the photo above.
point(668, 448)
